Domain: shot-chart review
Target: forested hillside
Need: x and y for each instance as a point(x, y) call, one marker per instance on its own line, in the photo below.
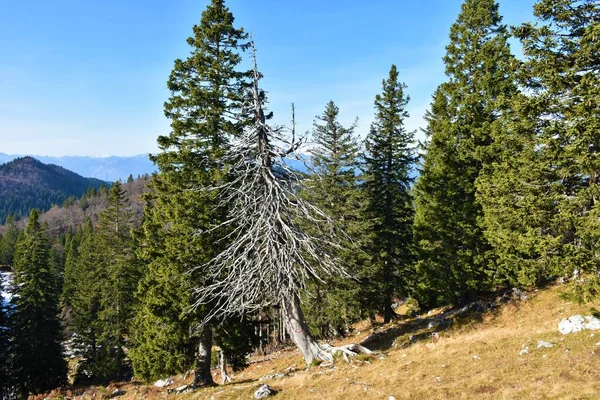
point(26, 183)
point(229, 252)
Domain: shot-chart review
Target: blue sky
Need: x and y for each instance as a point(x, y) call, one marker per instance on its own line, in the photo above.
point(89, 77)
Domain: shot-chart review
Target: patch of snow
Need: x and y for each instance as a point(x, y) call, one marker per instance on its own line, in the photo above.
point(593, 323)
point(6, 279)
point(571, 325)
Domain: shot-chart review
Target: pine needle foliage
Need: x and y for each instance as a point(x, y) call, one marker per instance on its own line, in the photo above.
point(388, 160)
point(38, 363)
point(456, 262)
point(562, 72)
point(205, 109)
point(333, 305)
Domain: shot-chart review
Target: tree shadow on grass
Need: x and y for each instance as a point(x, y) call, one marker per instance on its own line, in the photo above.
point(427, 327)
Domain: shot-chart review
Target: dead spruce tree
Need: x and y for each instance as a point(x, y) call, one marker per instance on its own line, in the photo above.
point(269, 257)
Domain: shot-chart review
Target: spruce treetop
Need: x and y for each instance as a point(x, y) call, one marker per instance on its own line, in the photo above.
point(336, 148)
point(389, 145)
point(207, 90)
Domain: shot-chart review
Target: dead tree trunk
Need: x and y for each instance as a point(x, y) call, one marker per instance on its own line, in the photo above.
point(225, 378)
point(202, 375)
point(299, 332)
point(310, 348)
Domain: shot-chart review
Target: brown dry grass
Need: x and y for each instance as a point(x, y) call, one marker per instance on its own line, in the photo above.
point(474, 359)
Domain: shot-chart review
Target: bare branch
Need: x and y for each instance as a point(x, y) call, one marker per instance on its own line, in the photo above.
point(269, 256)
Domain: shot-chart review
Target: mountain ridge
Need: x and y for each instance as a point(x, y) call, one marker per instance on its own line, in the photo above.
point(109, 168)
point(27, 183)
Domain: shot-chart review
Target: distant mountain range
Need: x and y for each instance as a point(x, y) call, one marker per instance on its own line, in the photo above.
point(104, 168)
point(26, 183)
point(113, 168)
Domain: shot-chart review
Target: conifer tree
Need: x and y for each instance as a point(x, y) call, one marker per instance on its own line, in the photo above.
point(82, 294)
point(101, 276)
point(161, 342)
point(5, 357)
point(38, 361)
point(331, 306)
point(72, 243)
point(118, 278)
point(456, 261)
point(9, 241)
point(519, 200)
point(562, 74)
point(204, 108)
point(388, 160)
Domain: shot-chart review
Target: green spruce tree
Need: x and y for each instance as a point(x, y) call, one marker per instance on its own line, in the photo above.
point(519, 201)
point(82, 294)
point(207, 92)
point(456, 261)
point(118, 276)
point(333, 305)
point(561, 72)
point(38, 360)
point(389, 159)
point(6, 378)
point(72, 243)
point(9, 242)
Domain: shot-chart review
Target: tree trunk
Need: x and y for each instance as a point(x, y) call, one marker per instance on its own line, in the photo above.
point(298, 330)
point(311, 349)
point(388, 311)
point(225, 378)
point(261, 351)
point(202, 376)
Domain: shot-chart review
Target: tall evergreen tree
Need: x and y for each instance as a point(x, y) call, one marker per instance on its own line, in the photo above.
point(101, 276)
point(9, 242)
point(519, 201)
point(331, 306)
point(83, 283)
point(456, 261)
point(38, 360)
point(72, 243)
point(562, 71)
point(6, 387)
point(207, 91)
point(118, 277)
point(161, 342)
point(388, 161)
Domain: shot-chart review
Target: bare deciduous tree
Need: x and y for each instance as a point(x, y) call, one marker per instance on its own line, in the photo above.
point(269, 257)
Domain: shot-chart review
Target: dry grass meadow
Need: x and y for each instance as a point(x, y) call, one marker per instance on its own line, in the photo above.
point(475, 357)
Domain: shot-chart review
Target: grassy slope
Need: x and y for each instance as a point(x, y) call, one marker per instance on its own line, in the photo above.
point(476, 358)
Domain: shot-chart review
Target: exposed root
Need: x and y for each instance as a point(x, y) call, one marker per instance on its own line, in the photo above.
point(328, 352)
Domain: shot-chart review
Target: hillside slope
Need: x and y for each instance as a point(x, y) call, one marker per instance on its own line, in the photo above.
point(26, 183)
point(74, 212)
point(478, 356)
point(105, 168)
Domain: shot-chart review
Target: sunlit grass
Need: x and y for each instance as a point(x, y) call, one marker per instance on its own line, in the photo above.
point(473, 359)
